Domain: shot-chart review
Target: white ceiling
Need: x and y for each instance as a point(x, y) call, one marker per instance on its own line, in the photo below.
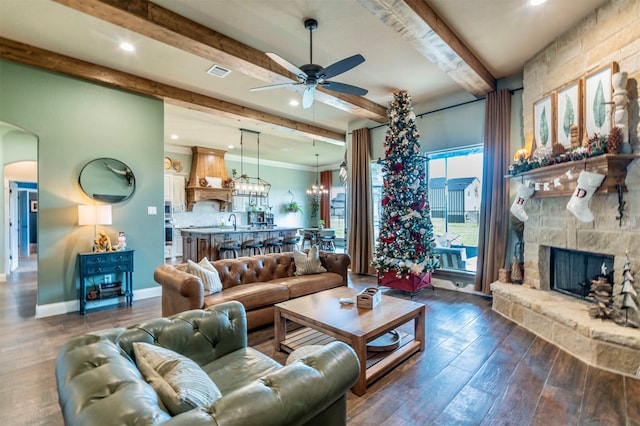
point(503, 34)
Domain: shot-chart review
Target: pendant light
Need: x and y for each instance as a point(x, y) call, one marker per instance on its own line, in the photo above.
point(245, 186)
point(317, 191)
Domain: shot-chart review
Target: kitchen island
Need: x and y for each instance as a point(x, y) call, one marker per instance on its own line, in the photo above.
point(203, 242)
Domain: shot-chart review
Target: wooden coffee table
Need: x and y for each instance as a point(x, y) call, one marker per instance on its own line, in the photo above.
point(325, 319)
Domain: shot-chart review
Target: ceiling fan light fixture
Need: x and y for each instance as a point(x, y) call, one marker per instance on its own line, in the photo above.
point(127, 47)
point(314, 75)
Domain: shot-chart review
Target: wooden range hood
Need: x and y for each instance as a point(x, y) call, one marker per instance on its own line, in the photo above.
point(207, 162)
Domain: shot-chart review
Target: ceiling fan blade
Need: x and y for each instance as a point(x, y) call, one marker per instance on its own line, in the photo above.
point(341, 66)
point(344, 88)
point(273, 86)
point(288, 65)
point(307, 96)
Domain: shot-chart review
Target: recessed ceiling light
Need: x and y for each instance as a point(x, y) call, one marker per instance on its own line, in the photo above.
point(286, 148)
point(230, 146)
point(294, 102)
point(127, 47)
point(536, 2)
point(174, 137)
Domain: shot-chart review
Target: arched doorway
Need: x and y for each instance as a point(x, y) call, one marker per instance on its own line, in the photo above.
point(19, 151)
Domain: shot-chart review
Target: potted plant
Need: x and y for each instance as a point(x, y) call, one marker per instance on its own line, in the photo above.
point(293, 207)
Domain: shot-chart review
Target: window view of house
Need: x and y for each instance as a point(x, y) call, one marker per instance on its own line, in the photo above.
point(455, 192)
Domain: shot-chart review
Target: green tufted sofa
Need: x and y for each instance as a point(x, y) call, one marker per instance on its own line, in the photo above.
point(99, 384)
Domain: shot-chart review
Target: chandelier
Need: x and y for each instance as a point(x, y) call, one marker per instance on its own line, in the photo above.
point(317, 191)
point(245, 186)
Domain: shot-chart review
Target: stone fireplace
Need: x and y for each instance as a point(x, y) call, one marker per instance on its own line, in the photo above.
point(553, 231)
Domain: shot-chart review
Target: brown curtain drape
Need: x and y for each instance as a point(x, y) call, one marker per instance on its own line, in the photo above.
point(494, 209)
point(325, 203)
point(360, 245)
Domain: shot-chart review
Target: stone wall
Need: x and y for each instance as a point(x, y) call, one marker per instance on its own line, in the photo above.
point(610, 33)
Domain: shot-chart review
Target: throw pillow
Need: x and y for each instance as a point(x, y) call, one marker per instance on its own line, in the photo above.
point(210, 278)
point(180, 383)
point(308, 263)
point(207, 265)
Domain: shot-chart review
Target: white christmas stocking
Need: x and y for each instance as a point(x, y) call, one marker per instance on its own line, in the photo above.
point(588, 182)
point(517, 208)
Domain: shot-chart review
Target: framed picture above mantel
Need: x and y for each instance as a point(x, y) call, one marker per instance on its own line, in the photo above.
point(569, 110)
point(598, 100)
point(544, 121)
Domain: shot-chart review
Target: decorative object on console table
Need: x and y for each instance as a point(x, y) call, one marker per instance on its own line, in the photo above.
point(405, 251)
point(94, 215)
point(94, 265)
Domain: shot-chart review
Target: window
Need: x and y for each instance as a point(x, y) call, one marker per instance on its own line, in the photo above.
point(338, 206)
point(455, 192)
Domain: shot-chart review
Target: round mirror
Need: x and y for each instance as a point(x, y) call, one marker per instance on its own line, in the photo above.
point(108, 180)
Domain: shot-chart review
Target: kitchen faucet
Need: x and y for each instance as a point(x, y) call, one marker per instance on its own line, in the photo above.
point(235, 224)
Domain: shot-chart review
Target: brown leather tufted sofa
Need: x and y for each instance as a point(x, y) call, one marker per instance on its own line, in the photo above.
point(99, 383)
point(258, 282)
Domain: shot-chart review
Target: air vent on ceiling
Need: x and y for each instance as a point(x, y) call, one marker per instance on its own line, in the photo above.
point(218, 71)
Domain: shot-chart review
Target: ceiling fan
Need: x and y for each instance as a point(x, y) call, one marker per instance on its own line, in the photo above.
point(312, 75)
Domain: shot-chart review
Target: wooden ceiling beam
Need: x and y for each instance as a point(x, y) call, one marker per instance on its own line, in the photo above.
point(158, 23)
point(420, 25)
point(51, 61)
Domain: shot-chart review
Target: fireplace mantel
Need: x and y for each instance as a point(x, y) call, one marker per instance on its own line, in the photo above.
point(613, 166)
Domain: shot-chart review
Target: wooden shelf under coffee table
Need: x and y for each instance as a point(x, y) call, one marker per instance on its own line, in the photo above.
point(330, 320)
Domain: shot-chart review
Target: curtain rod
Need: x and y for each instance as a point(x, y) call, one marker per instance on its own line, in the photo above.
point(512, 91)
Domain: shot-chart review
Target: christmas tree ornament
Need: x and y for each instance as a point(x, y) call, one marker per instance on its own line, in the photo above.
point(588, 183)
point(517, 208)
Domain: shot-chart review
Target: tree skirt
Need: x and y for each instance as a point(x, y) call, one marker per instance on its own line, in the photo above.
point(411, 283)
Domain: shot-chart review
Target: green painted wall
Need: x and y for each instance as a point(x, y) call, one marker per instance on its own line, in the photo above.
point(76, 122)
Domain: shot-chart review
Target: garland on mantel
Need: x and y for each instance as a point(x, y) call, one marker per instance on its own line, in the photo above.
point(597, 145)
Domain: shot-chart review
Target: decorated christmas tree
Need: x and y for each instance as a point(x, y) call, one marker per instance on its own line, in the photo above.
point(405, 246)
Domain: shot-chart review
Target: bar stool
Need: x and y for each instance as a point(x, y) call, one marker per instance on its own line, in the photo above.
point(253, 247)
point(273, 245)
point(229, 246)
point(327, 238)
point(308, 238)
point(290, 243)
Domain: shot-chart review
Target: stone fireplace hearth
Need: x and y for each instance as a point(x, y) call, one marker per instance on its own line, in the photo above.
point(562, 319)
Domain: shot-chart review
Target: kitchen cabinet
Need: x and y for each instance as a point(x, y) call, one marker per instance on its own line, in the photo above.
point(200, 242)
point(175, 192)
point(260, 218)
point(177, 243)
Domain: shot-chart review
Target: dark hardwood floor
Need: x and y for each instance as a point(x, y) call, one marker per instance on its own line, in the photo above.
point(478, 368)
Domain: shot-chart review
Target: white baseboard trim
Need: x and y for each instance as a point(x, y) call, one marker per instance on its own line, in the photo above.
point(69, 306)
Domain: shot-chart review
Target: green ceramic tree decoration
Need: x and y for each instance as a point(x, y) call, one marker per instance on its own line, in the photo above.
point(599, 112)
point(544, 127)
point(569, 117)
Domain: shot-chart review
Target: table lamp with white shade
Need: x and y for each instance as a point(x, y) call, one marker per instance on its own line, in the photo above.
point(94, 215)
